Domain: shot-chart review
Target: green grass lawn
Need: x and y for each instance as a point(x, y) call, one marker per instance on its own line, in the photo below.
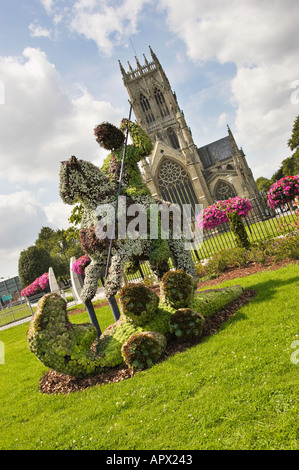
point(238, 389)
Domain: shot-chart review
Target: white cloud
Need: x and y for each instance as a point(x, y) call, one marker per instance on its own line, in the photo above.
point(58, 214)
point(261, 39)
point(41, 125)
point(101, 21)
point(37, 31)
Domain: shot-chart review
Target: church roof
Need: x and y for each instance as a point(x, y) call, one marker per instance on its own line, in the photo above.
point(218, 150)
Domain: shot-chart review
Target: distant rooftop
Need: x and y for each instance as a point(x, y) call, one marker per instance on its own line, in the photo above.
point(218, 150)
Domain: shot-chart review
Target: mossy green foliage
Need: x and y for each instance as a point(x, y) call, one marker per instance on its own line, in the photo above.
point(138, 303)
point(73, 349)
point(58, 343)
point(186, 324)
point(141, 146)
point(238, 229)
point(209, 302)
point(177, 288)
point(144, 349)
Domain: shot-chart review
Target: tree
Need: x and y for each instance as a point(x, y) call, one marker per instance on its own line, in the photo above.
point(33, 262)
point(293, 142)
point(290, 166)
point(60, 250)
point(263, 184)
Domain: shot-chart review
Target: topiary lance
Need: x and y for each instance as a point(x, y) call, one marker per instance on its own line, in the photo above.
point(75, 349)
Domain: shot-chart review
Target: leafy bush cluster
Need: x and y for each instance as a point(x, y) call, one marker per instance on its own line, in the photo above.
point(272, 250)
point(138, 338)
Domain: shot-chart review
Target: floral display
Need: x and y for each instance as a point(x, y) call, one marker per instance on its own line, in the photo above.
point(136, 339)
point(283, 191)
point(80, 264)
point(36, 286)
point(83, 182)
point(216, 214)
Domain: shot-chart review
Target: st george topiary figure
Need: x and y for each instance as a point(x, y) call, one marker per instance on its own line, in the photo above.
point(84, 183)
point(137, 339)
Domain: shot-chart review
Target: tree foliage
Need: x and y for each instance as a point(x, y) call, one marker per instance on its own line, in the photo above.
point(33, 262)
point(289, 166)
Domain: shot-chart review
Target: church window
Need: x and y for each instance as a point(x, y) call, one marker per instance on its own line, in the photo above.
point(146, 108)
point(175, 185)
point(160, 100)
point(224, 191)
point(173, 138)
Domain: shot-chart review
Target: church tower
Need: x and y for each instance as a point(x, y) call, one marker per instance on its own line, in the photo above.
point(178, 171)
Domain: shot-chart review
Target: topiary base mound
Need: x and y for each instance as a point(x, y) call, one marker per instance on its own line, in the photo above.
point(55, 382)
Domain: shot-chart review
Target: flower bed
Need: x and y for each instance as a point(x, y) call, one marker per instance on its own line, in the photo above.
point(39, 285)
point(80, 264)
point(283, 191)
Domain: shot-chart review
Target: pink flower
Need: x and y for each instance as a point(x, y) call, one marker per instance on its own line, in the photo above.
point(215, 215)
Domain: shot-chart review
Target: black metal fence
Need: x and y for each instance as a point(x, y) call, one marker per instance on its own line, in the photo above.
point(261, 223)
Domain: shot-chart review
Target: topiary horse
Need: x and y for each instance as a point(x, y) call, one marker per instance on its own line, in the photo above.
point(83, 182)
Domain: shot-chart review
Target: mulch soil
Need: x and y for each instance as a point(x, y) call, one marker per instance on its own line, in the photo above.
point(55, 382)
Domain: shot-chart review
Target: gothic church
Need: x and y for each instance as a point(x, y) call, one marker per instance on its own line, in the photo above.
point(177, 170)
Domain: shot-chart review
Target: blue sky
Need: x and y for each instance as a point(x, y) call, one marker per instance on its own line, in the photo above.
point(229, 62)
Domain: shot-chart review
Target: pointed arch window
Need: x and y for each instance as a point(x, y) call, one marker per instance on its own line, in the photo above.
point(224, 191)
point(175, 185)
point(146, 108)
point(160, 100)
point(173, 138)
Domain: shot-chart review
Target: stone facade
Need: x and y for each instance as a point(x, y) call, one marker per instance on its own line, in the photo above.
point(177, 170)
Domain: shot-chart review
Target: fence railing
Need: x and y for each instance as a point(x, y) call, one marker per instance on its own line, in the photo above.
point(15, 311)
point(261, 223)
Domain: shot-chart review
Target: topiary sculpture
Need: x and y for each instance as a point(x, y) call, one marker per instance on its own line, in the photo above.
point(138, 338)
point(84, 183)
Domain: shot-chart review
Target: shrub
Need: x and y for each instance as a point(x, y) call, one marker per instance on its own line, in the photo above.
point(185, 324)
point(144, 349)
point(238, 229)
point(33, 263)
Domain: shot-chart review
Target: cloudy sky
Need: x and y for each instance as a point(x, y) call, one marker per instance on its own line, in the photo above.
point(229, 62)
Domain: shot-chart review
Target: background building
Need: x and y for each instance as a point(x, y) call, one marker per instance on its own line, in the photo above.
point(177, 170)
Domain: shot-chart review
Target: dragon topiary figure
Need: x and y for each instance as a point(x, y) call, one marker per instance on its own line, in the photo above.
point(138, 338)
